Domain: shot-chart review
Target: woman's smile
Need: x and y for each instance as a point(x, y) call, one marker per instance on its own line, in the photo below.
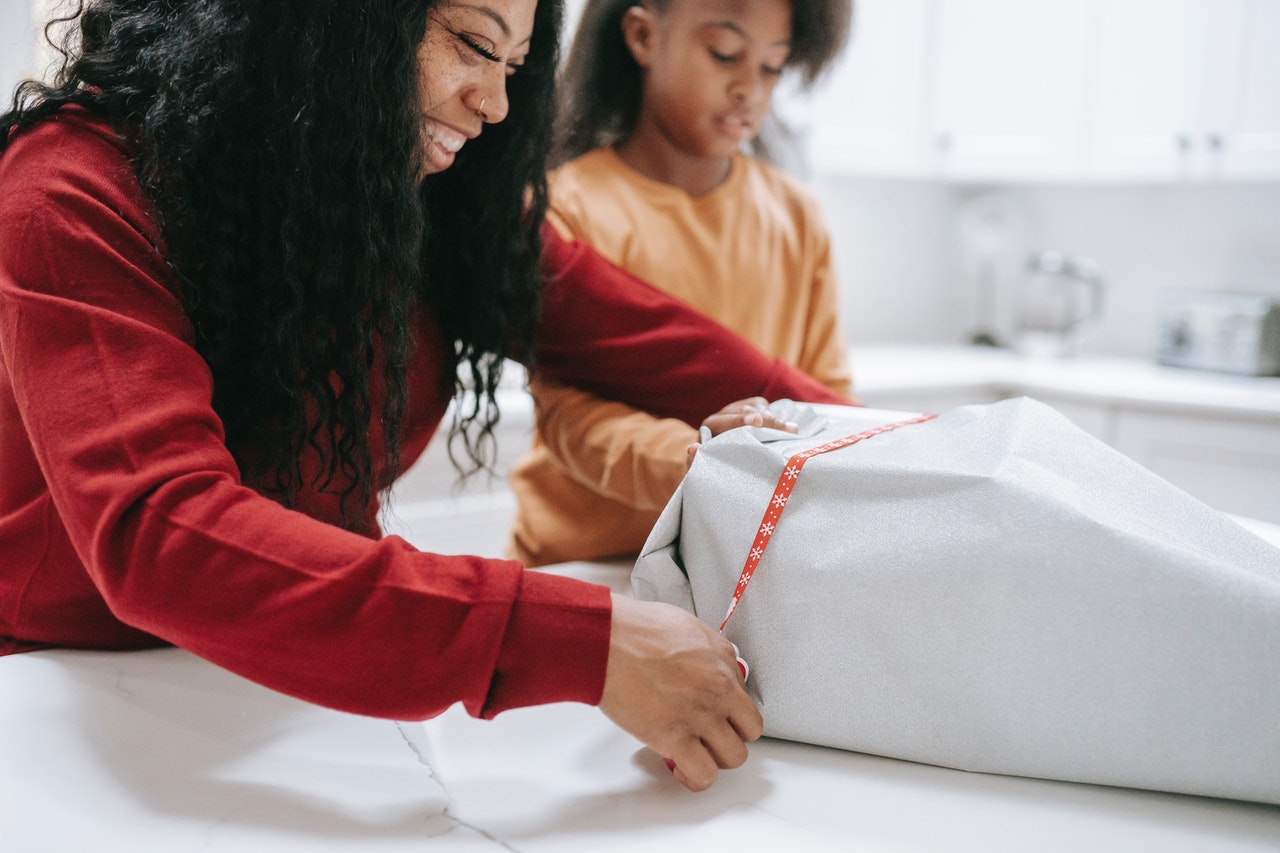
point(445, 142)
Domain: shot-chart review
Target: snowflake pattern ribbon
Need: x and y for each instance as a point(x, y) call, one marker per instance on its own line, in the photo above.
point(782, 493)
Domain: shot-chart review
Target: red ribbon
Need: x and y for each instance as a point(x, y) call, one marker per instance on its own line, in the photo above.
point(782, 493)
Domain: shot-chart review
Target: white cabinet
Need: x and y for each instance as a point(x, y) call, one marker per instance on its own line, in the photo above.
point(932, 400)
point(1216, 438)
point(1231, 464)
point(1094, 417)
point(1150, 71)
point(1186, 89)
point(1057, 90)
point(1243, 99)
point(868, 113)
point(1008, 87)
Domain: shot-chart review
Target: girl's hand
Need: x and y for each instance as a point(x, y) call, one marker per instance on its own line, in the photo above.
point(753, 411)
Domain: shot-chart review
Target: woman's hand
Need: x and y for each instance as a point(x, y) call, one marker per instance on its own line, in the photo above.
point(672, 681)
point(753, 411)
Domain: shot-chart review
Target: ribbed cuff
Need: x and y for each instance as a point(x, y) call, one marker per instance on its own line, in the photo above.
point(556, 646)
point(787, 382)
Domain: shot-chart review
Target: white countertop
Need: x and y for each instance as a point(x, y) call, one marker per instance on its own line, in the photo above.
point(1002, 373)
point(158, 750)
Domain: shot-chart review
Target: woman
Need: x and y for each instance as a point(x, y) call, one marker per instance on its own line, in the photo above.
point(245, 249)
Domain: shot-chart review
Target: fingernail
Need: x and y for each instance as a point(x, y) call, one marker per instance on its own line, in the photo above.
point(671, 765)
point(742, 664)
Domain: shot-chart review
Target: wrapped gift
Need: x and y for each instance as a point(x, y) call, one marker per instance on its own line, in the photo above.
point(992, 590)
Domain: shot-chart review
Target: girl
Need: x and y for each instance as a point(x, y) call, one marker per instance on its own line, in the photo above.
point(244, 250)
point(658, 99)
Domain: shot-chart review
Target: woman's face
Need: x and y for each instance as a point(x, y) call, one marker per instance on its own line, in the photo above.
point(468, 51)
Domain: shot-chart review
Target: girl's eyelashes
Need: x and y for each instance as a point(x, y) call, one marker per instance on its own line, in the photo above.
point(735, 58)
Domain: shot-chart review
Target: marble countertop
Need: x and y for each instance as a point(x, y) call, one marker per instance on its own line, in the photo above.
point(1105, 379)
point(159, 750)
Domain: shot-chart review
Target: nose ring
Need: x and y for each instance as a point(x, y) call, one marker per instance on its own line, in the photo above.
point(480, 109)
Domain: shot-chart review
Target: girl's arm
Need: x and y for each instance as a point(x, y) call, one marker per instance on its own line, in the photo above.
point(615, 450)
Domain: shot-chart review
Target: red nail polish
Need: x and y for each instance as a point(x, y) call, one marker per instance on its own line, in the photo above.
point(671, 765)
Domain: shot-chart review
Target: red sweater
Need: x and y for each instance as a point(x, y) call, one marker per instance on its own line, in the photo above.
point(123, 521)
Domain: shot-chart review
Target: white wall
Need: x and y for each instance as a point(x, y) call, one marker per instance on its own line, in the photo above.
point(892, 255)
point(907, 279)
point(17, 45)
point(1155, 239)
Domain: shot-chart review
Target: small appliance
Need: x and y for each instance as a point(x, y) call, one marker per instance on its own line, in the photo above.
point(1060, 304)
point(1227, 332)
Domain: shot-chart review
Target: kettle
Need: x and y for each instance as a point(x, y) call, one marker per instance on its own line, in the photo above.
point(1060, 304)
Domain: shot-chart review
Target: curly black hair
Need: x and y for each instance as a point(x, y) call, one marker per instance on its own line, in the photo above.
point(279, 143)
point(601, 85)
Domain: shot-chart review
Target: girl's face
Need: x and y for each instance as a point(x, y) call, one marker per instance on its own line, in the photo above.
point(710, 67)
point(468, 51)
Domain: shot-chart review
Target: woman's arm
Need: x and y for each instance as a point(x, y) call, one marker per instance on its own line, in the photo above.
point(122, 514)
point(607, 332)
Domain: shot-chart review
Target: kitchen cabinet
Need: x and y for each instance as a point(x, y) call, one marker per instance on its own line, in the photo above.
point(1097, 419)
point(1150, 66)
point(1187, 89)
point(868, 113)
point(932, 400)
point(1231, 464)
point(929, 88)
point(1007, 86)
point(1216, 437)
point(1243, 109)
point(1107, 90)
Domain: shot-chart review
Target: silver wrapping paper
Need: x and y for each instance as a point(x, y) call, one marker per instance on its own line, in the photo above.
point(994, 591)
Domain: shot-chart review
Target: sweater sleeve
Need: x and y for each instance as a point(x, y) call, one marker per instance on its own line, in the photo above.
point(114, 406)
point(607, 332)
point(611, 448)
